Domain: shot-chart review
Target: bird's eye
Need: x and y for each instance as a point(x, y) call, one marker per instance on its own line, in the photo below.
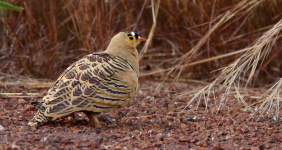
point(131, 39)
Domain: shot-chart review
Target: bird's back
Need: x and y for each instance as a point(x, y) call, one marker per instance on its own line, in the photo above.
point(98, 82)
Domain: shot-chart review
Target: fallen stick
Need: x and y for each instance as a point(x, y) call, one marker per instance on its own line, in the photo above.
point(28, 85)
point(21, 95)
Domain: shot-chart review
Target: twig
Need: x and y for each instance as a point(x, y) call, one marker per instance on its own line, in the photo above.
point(28, 85)
point(234, 73)
point(152, 31)
point(20, 95)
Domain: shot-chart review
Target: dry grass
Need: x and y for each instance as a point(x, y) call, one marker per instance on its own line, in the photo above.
point(243, 7)
point(269, 102)
point(152, 31)
point(234, 75)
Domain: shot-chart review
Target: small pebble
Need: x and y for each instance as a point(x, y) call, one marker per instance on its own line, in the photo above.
point(22, 101)
point(222, 139)
point(183, 139)
point(118, 148)
point(202, 143)
point(2, 128)
point(217, 148)
point(274, 117)
point(182, 126)
point(45, 139)
point(108, 119)
point(190, 118)
point(228, 138)
point(255, 148)
point(70, 118)
point(15, 147)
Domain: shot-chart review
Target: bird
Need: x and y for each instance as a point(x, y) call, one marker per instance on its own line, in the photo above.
point(99, 82)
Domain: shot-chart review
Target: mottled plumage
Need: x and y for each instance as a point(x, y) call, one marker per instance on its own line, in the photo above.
point(96, 83)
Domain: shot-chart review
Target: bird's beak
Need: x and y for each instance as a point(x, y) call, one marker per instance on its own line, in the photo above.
point(142, 39)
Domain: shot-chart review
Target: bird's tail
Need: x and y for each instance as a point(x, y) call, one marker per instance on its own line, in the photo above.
point(38, 119)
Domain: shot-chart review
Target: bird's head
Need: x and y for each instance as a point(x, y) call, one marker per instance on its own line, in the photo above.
point(129, 39)
point(124, 45)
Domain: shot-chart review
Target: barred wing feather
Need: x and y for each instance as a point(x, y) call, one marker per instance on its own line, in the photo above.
point(98, 82)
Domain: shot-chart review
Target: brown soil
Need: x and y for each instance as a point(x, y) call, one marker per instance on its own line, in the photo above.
point(150, 121)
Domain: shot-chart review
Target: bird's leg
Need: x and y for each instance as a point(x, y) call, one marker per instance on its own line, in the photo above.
point(93, 120)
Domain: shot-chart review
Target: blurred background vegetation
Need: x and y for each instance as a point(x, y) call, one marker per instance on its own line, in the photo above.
point(48, 35)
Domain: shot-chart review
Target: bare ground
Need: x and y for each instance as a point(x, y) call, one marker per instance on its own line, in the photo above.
point(150, 121)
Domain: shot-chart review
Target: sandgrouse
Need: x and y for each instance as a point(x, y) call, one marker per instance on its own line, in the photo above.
point(96, 83)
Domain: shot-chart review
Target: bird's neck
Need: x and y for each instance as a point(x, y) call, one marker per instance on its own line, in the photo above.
point(128, 53)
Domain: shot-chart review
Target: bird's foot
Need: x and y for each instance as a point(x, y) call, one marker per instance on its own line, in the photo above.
point(93, 120)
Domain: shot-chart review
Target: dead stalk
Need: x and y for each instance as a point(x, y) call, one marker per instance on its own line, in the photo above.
point(232, 75)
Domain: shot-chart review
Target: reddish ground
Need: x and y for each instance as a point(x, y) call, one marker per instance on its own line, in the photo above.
point(150, 121)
